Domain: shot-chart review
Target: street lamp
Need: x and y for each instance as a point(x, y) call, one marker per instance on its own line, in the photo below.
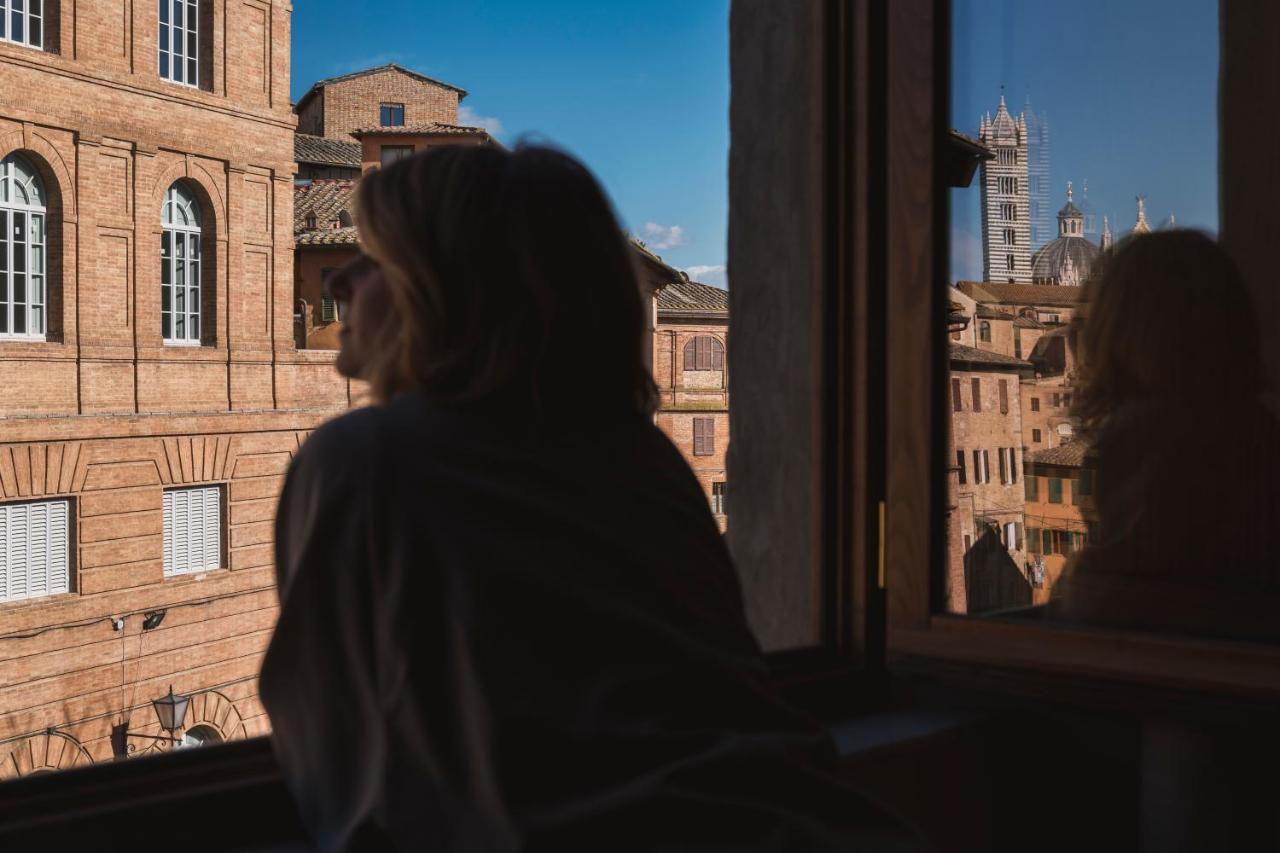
point(171, 710)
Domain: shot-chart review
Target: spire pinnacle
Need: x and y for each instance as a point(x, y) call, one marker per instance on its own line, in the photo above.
point(1068, 191)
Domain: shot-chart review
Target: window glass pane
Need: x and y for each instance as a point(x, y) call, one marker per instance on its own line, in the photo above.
point(1054, 190)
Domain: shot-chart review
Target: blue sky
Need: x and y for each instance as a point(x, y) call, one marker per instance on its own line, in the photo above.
point(1130, 90)
point(640, 92)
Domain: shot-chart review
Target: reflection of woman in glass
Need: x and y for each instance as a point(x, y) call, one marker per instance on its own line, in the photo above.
point(508, 620)
point(1187, 454)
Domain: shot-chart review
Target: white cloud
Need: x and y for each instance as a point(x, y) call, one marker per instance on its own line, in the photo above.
point(712, 274)
point(663, 236)
point(468, 118)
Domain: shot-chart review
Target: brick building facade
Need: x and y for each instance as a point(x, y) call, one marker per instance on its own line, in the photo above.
point(339, 106)
point(154, 395)
point(986, 524)
point(1061, 518)
point(691, 371)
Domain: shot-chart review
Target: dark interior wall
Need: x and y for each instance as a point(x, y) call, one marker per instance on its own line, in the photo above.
point(775, 214)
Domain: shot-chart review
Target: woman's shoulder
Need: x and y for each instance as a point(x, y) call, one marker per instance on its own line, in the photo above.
point(341, 448)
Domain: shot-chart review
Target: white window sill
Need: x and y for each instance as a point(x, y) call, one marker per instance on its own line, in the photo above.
point(169, 343)
point(27, 339)
point(39, 47)
point(181, 83)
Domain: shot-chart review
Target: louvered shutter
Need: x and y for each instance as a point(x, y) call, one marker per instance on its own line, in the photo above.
point(192, 530)
point(691, 355)
point(1013, 465)
point(977, 395)
point(960, 465)
point(955, 395)
point(977, 466)
point(4, 553)
point(717, 355)
point(18, 552)
point(167, 533)
point(1004, 396)
point(37, 550)
point(697, 436)
point(213, 529)
point(33, 550)
point(986, 466)
point(59, 547)
point(1004, 469)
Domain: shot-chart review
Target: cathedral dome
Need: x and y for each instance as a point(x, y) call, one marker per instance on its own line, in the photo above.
point(1068, 259)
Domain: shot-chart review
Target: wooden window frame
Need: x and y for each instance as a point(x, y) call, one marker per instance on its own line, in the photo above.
point(1112, 667)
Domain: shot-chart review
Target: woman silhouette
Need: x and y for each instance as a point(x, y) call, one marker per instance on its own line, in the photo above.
point(508, 620)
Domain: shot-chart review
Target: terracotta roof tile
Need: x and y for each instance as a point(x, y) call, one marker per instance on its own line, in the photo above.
point(693, 296)
point(325, 200)
point(1022, 322)
point(431, 127)
point(328, 237)
point(962, 353)
point(1071, 454)
point(326, 152)
point(1021, 294)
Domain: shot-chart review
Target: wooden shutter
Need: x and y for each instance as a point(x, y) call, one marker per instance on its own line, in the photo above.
point(1017, 528)
point(33, 550)
point(977, 466)
point(1004, 396)
point(1013, 464)
point(691, 355)
point(1032, 486)
point(955, 395)
point(717, 355)
point(192, 530)
point(977, 395)
point(960, 465)
point(1004, 468)
point(704, 352)
point(986, 466)
point(704, 436)
point(1033, 540)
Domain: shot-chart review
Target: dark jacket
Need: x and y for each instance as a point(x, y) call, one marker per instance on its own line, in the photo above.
point(499, 637)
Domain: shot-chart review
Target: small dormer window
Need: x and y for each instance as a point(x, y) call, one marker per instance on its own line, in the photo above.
point(310, 221)
point(335, 224)
point(344, 219)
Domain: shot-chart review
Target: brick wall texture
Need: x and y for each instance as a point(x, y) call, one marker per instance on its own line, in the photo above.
point(107, 415)
point(348, 104)
point(689, 395)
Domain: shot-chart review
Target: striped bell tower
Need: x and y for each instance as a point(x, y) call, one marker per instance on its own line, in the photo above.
point(1006, 200)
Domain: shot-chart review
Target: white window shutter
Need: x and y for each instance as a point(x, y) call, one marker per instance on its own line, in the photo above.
point(37, 550)
point(213, 529)
point(59, 564)
point(33, 550)
point(168, 533)
point(192, 530)
point(18, 552)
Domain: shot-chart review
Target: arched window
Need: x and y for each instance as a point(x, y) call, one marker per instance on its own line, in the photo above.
point(180, 267)
point(984, 331)
point(704, 353)
point(23, 296)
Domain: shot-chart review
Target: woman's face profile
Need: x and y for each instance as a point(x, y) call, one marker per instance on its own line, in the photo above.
point(364, 303)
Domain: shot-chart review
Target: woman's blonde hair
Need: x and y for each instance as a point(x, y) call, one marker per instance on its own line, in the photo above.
point(511, 281)
point(1166, 318)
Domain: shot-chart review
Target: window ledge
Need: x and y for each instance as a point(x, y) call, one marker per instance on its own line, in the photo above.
point(1054, 658)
